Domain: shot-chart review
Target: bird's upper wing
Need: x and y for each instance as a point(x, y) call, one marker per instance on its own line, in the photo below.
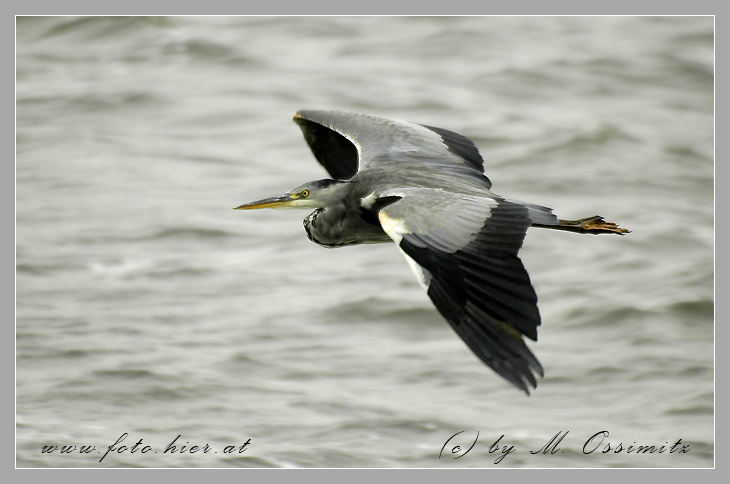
point(464, 251)
point(345, 143)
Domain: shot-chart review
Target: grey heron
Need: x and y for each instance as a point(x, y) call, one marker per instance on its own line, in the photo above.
point(424, 188)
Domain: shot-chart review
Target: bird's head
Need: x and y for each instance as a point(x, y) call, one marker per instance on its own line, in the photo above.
point(314, 194)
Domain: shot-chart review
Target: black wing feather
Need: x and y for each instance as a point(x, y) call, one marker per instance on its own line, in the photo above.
point(460, 146)
point(335, 153)
point(485, 293)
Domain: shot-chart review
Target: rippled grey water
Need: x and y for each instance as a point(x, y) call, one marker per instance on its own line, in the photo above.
point(146, 306)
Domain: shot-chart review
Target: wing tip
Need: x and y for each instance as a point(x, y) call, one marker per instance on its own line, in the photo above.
point(301, 115)
point(306, 115)
point(524, 375)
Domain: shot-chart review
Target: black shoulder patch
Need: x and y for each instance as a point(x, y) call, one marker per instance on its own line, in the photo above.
point(370, 215)
point(383, 202)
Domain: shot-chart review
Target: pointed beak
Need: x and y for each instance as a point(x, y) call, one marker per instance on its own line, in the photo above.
point(280, 201)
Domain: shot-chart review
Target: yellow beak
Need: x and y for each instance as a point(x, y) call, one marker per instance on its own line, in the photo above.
point(280, 201)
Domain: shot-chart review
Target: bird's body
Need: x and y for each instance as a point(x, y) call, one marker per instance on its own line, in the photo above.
point(424, 188)
point(354, 220)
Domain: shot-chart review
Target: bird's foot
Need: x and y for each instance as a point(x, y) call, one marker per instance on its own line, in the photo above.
point(593, 225)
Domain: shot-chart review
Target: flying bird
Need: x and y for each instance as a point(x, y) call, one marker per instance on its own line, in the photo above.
point(424, 188)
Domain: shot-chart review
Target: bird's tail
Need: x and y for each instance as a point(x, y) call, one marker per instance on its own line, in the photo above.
point(589, 225)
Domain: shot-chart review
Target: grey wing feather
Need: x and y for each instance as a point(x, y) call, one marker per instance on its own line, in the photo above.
point(466, 249)
point(345, 143)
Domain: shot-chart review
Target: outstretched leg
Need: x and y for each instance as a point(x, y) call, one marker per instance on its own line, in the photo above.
point(589, 225)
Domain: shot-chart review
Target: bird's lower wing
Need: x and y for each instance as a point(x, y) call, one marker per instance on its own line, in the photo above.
point(464, 250)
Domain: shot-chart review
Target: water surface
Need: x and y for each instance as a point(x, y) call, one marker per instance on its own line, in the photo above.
point(146, 306)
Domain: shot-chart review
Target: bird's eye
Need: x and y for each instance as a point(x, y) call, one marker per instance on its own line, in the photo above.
point(304, 193)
